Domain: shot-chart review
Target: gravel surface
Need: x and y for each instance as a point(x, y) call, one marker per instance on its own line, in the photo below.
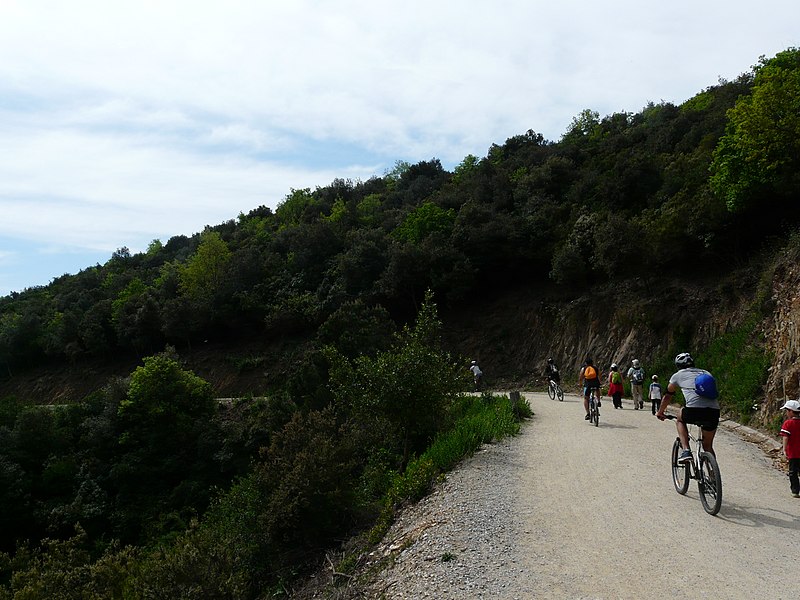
point(567, 510)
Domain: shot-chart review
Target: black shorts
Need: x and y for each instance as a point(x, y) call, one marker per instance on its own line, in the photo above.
point(707, 418)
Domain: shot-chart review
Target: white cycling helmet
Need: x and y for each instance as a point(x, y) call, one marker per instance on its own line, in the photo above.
point(635, 363)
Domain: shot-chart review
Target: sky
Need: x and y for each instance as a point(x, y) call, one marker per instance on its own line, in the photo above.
point(123, 122)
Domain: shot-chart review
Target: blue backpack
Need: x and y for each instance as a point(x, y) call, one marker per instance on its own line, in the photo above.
point(706, 386)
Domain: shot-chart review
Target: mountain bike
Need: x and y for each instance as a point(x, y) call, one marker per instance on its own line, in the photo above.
point(703, 468)
point(594, 407)
point(554, 390)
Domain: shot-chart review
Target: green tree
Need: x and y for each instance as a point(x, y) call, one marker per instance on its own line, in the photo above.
point(166, 466)
point(759, 154)
point(295, 207)
point(411, 386)
point(465, 168)
point(586, 126)
point(203, 274)
point(426, 219)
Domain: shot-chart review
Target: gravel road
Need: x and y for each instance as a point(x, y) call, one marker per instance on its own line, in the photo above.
point(566, 510)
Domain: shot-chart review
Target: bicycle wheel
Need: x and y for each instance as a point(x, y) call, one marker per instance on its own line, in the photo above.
point(559, 393)
point(595, 414)
point(710, 483)
point(680, 473)
point(551, 390)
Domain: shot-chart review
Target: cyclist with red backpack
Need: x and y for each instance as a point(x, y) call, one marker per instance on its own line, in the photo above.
point(589, 378)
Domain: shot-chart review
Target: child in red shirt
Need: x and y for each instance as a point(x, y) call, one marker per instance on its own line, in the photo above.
point(790, 432)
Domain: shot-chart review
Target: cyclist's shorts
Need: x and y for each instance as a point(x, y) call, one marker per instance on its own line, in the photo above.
point(707, 418)
point(555, 377)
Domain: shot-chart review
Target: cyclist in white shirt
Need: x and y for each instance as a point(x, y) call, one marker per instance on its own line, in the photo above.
point(698, 410)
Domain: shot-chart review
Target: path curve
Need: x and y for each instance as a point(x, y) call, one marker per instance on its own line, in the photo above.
point(567, 510)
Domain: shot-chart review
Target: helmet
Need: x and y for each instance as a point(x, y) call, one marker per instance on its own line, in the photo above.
point(684, 360)
point(655, 378)
point(635, 363)
point(613, 366)
point(550, 360)
point(474, 362)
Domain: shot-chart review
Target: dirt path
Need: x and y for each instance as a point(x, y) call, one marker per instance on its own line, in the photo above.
point(567, 510)
point(606, 494)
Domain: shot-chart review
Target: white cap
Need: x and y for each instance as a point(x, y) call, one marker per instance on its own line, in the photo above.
point(792, 405)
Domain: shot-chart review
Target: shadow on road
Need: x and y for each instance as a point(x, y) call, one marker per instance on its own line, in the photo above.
point(751, 516)
point(611, 425)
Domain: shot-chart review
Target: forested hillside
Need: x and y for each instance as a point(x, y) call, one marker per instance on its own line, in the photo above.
point(641, 233)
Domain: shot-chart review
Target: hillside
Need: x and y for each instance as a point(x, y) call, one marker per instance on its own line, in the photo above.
point(511, 332)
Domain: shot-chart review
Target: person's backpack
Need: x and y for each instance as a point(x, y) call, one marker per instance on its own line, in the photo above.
point(589, 372)
point(637, 376)
point(706, 386)
point(616, 377)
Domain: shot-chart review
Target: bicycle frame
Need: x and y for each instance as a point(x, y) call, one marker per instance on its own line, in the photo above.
point(594, 409)
point(554, 390)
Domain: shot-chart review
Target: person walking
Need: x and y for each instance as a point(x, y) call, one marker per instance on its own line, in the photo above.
point(790, 432)
point(636, 377)
point(655, 393)
point(615, 387)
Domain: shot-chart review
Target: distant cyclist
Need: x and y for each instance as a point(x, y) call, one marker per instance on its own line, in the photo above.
point(699, 410)
point(589, 378)
point(551, 372)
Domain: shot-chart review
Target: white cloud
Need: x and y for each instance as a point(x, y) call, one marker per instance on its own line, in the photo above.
point(133, 120)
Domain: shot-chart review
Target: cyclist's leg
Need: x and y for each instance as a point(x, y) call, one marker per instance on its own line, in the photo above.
point(709, 421)
point(708, 440)
point(683, 431)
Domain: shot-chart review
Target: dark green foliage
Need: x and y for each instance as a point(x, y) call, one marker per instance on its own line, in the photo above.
point(356, 328)
point(64, 570)
point(411, 385)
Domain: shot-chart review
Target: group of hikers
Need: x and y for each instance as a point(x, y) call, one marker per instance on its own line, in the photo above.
point(590, 380)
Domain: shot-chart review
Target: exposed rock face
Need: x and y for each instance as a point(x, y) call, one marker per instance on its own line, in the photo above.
point(512, 335)
point(782, 338)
